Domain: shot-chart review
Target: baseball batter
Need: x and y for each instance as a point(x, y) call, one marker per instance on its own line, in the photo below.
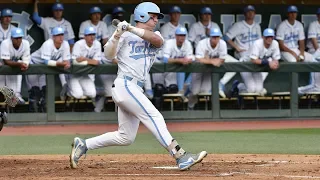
point(53, 52)
point(313, 45)
point(178, 50)
point(15, 52)
point(264, 52)
point(86, 51)
point(290, 35)
point(95, 21)
point(6, 26)
point(212, 51)
point(135, 48)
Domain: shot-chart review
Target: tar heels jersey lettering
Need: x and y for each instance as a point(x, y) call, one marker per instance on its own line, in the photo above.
point(244, 34)
point(258, 51)
point(290, 34)
point(205, 50)
point(135, 56)
point(170, 49)
point(313, 32)
point(49, 52)
point(8, 52)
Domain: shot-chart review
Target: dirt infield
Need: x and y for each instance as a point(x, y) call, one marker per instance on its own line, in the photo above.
point(150, 166)
point(123, 167)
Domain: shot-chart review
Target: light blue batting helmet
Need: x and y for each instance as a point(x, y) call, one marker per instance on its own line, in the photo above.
point(6, 12)
point(181, 31)
point(268, 32)
point(215, 32)
point(89, 30)
point(95, 9)
point(57, 31)
point(57, 7)
point(17, 33)
point(141, 12)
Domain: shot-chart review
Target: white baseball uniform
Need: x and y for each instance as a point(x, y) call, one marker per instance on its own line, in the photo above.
point(170, 50)
point(244, 35)
point(168, 30)
point(136, 57)
point(290, 35)
point(8, 52)
point(201, 82)
point(6, 34)
point(101, 29)
point(48, 23)
point(313, 32)
point(83, 85)
point(253, 81)
point(47, 51)
point(197, 31)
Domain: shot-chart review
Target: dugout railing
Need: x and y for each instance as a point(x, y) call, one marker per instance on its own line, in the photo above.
point(215, 113)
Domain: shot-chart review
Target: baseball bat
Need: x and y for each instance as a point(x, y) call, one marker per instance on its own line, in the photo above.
point(115, 22)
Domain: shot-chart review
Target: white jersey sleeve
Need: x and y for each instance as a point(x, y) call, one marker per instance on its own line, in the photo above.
point(26, 57)
point(233, 31)
point(98, 50)
point(301, 31)
point(104, 28)
point(189, 50)
point(276, 52)
point(312, 31)
point(192, 35)
point(281, 31)
point(223, 51)
point(46, 50)
point(76, 51)
point(5, 50)
point(66, 51)
point(167, 47)
point(82, 28)
point(70, 31)
point(201, 51)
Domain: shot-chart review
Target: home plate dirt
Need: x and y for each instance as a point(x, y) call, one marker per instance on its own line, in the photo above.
point(155, 166)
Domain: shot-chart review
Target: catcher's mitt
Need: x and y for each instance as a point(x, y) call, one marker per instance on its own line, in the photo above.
point(8, 96)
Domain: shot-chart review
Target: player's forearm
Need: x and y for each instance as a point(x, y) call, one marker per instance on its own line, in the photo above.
point(92, 62)
point(12, 63)
point(284, 47)
point(232, 44)
point(301, 46)
point(315, 43)
point(204, 60)
point(174, 60)
point(149, 36)
point(110, 48)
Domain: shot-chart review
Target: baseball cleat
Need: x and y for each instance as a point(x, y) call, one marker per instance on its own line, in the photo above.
point(234, 92)
point(79, 148)
point(188, 160)
point(4, 120)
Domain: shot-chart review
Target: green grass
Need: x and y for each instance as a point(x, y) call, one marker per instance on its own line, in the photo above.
point(287, 141)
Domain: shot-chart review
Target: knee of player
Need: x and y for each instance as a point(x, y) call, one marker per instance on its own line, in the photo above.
point(251, 89)
point(76, 94)
point(91, 94)
point(126, 139)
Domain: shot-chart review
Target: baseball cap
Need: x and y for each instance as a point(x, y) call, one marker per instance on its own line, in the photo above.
point(268, 32)
point(318, 11)
point(57, 7)
point(249, 8)
point(118, 10)
point(292, 9)
point(175, 9)
point(181, 31)
point(89, 30)
point(17, 33)
point(206, 10)
point(57, 31)
point(215, 32)
point(95, 10)
point(6, 12)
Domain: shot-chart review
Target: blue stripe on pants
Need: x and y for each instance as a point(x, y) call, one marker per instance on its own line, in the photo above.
point(125, 82)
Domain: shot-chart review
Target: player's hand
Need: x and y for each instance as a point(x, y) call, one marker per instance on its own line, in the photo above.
point(274, 65)
point(93, 62)
point(66, 64)
point(240, 50)
point(295, 55)
point(80, 59)
point(186, 61)
point(301, 56)
point(121, 28)
point(216, 62)
point(23, 66)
